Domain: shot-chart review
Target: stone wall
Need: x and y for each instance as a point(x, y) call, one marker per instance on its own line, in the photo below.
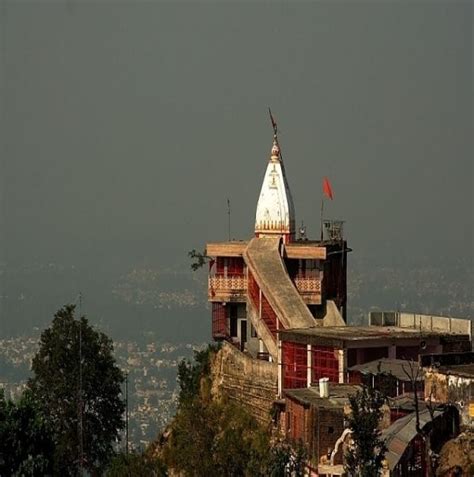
point(248, 381)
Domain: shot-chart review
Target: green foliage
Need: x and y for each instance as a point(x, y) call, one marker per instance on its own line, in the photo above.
point(221, 438)
point(199, 259)
point(190, 373)
point(56, 384)
point(136, 465)
point(285, 461)
point(366, 456)
point(26, 440)
point(211, 437)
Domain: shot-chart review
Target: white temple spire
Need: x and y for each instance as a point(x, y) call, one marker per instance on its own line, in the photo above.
point(275, 210)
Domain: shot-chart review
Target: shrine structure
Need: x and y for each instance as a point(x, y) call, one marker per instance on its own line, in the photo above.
point(279, 304)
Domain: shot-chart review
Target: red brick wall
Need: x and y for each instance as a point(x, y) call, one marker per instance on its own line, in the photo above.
point(318, 428)
point(296, 419)
point(328, 426)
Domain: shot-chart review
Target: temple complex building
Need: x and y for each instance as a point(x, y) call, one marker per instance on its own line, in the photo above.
point(279, 304)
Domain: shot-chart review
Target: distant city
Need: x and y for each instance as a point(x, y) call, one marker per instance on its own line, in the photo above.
point(151, 371)
point(158, 317)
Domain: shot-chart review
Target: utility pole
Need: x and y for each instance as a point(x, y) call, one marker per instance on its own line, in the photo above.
point(81, 430)
point(126, 413)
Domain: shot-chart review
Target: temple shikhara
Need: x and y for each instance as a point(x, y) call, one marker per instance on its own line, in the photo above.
point(279, 305)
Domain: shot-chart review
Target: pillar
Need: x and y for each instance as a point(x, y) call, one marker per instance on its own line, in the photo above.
point(309, 365)
point(342, 360)
point(280, 370)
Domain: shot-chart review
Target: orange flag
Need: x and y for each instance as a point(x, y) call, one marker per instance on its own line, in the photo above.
point(327, 189)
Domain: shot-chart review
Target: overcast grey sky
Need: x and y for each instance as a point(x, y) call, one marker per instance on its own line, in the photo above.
point(125, 127)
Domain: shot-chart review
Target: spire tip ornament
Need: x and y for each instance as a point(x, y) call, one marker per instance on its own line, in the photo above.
point(275, 149)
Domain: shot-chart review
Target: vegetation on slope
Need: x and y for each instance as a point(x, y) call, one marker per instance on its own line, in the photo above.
point(218, 437)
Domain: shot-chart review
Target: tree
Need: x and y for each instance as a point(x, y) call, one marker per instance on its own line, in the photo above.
point(26, 440)
point(136, 465)
point(199, 259)
point(78, 384)
point(415, 375)
point(190, 374)
point(365, 457)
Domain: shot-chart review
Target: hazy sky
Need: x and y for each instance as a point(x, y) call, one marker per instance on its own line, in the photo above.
point(125, 127)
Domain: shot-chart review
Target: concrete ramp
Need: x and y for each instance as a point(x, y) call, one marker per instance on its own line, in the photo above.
point(262, 330)
point(264, 262)
point(263, 259)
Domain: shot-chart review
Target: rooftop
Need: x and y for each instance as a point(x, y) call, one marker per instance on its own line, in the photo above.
point(462, 370)
point(448, 360)
point(402, 432)
point(339, 335)
point(299, 249)
point(405, 402)
point(398, 368)
point(338, 395)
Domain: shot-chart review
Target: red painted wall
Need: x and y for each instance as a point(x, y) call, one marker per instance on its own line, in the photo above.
point(294, 365)
point(220, 327)
point(325, 364)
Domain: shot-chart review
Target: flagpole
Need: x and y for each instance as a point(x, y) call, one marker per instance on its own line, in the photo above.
point(321, 219)
point(228, 217)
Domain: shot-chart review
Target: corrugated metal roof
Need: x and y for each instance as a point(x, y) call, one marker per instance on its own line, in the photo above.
point(405, 402)
point(395, 367)
point(338, 395)
point(399, 435)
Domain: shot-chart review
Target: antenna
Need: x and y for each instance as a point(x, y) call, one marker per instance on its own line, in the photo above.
point(228, 217)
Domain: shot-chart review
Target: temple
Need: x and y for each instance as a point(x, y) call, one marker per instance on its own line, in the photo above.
point(275, 281)
point(279, 305)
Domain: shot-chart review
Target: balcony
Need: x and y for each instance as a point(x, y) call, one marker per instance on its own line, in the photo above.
point(231, 288)
point(309, 288)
